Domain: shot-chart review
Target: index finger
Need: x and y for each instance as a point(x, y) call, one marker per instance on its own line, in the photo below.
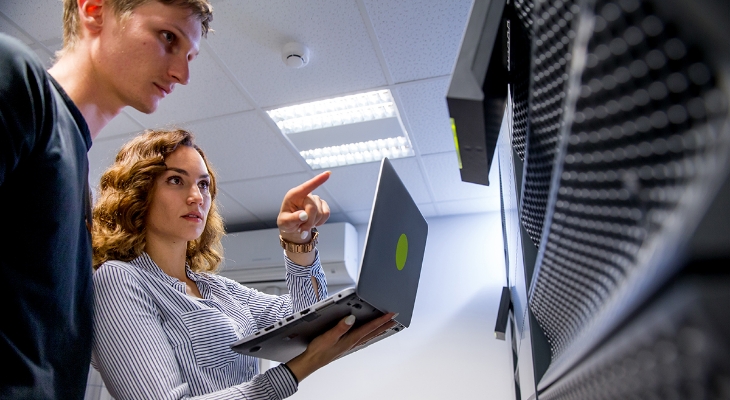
point(309, 186)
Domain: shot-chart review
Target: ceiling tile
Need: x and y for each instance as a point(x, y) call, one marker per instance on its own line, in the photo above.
point(419, 39)
point(121, 124)
point(410, 173)
point(263, 197)
point(243, 146)
point(339, 217)
point(343, 59)
point(358, 198)
point(362, 217)
point(210, 93)
point(40, 18)
point(427, 116)
point(425, 46)
point(428, 210)
point(102, 154)
point(353, 186)
point(9, 29)
point(443, 172)
point(233, 213)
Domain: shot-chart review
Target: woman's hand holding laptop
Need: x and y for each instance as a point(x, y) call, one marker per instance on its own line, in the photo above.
point(337, 341)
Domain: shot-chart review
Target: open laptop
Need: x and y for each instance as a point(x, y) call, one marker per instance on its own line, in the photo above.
point(388, 279)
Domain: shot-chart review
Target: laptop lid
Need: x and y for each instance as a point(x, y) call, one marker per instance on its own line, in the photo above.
point(394, 248)
point(388, 278)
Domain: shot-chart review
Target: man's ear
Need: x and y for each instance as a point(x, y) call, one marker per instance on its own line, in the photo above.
point(91, 14)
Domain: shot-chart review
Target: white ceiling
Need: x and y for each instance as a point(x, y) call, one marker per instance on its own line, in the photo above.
point(408, 46)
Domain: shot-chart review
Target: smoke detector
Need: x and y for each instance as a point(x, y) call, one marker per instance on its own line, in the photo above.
point(295, 55)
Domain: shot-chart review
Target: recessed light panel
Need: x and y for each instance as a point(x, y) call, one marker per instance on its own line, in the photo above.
point(345, 130)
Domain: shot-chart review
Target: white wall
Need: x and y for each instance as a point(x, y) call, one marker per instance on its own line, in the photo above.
point(449, 351)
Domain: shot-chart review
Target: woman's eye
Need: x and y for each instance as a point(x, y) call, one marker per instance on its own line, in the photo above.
point(175, 180)
point(169, 36)
point(204, 185)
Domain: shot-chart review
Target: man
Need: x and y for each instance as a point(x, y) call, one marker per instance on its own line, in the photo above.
point(116, 53)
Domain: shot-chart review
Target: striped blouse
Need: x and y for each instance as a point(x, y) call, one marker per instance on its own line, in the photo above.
point(153, 341)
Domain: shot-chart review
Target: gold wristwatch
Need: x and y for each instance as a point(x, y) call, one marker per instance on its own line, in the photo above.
point(300, 247)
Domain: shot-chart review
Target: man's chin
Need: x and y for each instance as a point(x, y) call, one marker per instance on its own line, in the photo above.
point(147, 108)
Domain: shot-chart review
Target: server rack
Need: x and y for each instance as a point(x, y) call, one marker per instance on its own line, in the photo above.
point(614, 174)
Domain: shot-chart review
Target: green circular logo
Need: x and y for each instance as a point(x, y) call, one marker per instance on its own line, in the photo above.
point(401, 252)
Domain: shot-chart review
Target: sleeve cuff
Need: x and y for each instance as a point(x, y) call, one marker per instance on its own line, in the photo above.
point(282, 381)
point(292, 373)
point(301, 270)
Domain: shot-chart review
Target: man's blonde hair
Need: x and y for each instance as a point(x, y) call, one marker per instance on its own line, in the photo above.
point(122, 8)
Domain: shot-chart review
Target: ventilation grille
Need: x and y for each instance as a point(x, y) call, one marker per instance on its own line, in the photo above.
point(552, 37)
point(523, 9)
point(675, 351)
point(520, 74)
point(639, 141)
point(519, 113)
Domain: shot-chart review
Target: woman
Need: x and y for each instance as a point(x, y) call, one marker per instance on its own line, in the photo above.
point(163, 320)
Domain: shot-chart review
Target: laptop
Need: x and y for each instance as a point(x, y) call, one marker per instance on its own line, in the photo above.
point(388, 280)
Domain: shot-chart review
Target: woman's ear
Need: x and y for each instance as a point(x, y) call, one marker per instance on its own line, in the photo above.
point(91, 15)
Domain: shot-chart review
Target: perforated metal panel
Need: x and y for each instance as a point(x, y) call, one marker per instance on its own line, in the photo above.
point(675, 350)
point(524, 12)
point(552, 38)
point(519, 111)
point(642, 142)
point(520, 39)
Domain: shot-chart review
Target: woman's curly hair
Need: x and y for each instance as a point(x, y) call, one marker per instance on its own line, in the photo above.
point(118, 231)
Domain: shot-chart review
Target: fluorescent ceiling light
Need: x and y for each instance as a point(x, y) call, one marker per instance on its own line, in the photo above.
point(356, 153)
point(345, 130)
point(333, 112)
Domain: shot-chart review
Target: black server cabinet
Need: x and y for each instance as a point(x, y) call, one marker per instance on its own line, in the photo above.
point(614, 158)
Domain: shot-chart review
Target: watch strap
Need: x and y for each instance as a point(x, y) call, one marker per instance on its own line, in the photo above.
point(300, 247)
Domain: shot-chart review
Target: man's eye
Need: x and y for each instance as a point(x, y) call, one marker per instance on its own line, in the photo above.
point(169, 36)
